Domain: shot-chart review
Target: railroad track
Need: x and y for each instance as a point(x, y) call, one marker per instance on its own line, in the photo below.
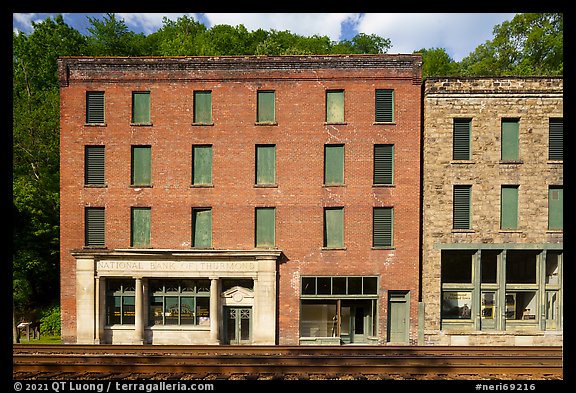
point(285, 362)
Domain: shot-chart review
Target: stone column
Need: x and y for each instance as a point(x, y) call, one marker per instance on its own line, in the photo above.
point(264, 321)
point(138, 318)
point(85, 284)
point(214, 320)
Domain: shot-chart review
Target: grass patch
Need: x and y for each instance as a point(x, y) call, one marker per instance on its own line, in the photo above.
point(42, 340)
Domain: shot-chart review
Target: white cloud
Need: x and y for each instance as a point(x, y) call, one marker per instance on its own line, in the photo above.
point(459, 34)
point(298, 23)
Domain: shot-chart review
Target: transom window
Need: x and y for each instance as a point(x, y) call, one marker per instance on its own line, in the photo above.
point(179, 302)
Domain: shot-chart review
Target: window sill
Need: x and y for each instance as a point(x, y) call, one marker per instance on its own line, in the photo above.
point(384, 248)
point(510, 231)
point(335, 123)
point(265, 123)
point(94, 248)
point(384, 123)
point(95, 125)
point(202, 186)
point(511, 162)
point(141, 186)
point(555, 231)
point(384, 185)
point(333, 185)
point(463, 162)
point(202, 124)
point(334, 248)
point(556, 162)
point(463, 231)
point(266, 185)
point(141, 124)
point(95, 185)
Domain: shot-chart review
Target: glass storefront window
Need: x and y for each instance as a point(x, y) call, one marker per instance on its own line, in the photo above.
point(456, 304)
point(318, 318)
point(120, 302)
point(521, 267)
point(456, 267)
point(179, 302)
point(521, 305)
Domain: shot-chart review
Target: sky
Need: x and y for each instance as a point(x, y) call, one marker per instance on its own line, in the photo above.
point(458, 33)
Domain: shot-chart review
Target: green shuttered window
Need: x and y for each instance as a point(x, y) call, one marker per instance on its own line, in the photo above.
point(95, 107)
point(141, 166)
point(94, 227)
point(461, 139)
point(509, 140)
point(384, 164)
point(382, 227)
point(555, 208)
point(266, 111)
point(203, 107)
point(334, 227)
point(140, 227)
point(202, 228)
point(384, 106)
point(335, 106)
point(333, 164)
point(94, 165)
point(201, 165)
point(265, 164)
point(461, 215)
point(265, 227)
point(509, 207)
point(141, 107)
point(556, 139)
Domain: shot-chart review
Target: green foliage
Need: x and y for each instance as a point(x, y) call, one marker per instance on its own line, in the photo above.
point(50, 321)
point(529, 44)
point(436, 62)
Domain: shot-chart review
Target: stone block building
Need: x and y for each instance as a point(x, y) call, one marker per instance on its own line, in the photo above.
point(492, 226)
point(240, 200)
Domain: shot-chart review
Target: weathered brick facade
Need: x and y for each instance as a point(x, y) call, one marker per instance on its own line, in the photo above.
point(529, 104)
point(299, 196)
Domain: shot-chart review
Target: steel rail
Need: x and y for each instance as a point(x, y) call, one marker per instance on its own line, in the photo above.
point(545, 362)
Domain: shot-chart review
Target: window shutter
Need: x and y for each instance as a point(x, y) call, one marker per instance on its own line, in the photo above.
point(95, 107)
point(333, 164)
point(382, 230)
point(555, 208)
point(203, 107)
point(141, 107)
point(141, 165)
point(334, 227)
point(384, 106)
point(202, 228)
point(266, 107)
point(335, 106)
point(556, 139)
point(202, 165)
point(461, 139)
point(94, 226)
point(140, 229)
point(509, 207)
point(265, 164)
point(383, 164)
point(461, 207)
point(265, 226)
point(94, 165)
point(509, 140)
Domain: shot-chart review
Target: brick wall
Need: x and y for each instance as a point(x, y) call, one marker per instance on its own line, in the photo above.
point(300, 134)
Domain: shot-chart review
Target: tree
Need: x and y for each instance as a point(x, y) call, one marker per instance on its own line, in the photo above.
point(35, 165)
point(111, 37)
point(436, 62)
point(530, 44)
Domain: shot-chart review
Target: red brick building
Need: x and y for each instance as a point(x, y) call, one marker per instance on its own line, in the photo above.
point(257, 200)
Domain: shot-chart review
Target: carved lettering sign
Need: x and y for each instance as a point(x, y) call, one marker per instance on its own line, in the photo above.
point(174, 266)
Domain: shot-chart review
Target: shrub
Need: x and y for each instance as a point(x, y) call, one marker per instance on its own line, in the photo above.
point(50, 321)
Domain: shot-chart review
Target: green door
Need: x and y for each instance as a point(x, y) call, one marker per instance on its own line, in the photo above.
point(238, 325)
point(398, 316)
point(355, 321)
